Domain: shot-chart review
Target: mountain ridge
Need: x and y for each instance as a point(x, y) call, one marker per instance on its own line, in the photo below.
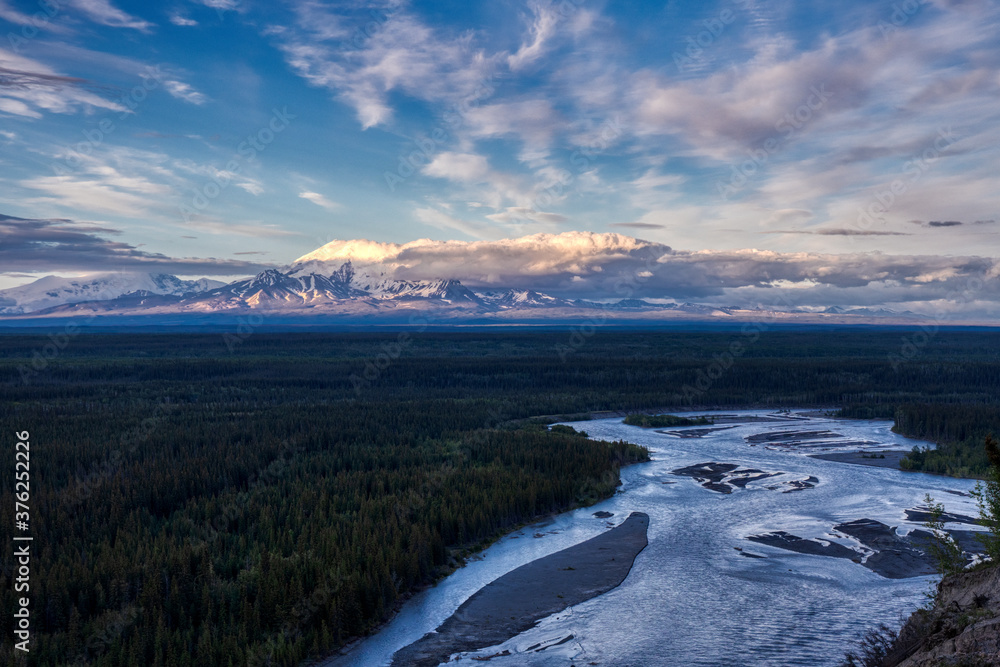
point(342, 290)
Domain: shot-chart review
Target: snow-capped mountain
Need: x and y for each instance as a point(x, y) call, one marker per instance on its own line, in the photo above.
point(55, 291)
point(520, 298)
point(371, 281)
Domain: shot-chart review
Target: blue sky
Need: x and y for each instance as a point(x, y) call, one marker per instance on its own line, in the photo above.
point(228, 134)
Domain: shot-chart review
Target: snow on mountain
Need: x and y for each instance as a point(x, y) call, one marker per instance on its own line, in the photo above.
point(373, 281)
point(370, 279)
point(515, 298)
point(55, 291)
point(272, 286)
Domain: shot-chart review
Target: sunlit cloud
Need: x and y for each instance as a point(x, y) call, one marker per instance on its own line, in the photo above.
point(319, 200)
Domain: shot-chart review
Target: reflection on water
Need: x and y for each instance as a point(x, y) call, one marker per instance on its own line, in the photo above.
point(701, 593)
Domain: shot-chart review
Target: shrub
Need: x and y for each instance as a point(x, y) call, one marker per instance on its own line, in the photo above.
point(948, 555)
point(873, 647)
point(988, 498)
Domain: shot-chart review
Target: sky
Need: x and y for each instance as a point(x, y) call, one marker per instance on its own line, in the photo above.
point(769, 144)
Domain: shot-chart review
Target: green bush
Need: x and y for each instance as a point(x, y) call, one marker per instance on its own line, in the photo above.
point(987, 496)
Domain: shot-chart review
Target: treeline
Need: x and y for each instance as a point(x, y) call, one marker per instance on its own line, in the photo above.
point(959, 432)
point(658, 421)
point(196, 506)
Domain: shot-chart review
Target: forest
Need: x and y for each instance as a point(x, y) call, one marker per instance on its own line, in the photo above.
point(198, 503)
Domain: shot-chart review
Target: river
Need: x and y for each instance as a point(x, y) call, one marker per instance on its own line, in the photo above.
point(696, 595)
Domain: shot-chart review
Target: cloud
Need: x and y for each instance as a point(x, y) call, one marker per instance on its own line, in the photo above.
point(837, 232)
point(48, 245)
point(319, 200)
point(11, 15)
point(177, 19)
point(535, 122)
point(522, 213)
point(183, 91)
point(442, 220)
point(27, 88)
point(462, 167)
point(496, 189)
point(103, 12)
point(223, 228)
point(208, 172)
point(403, 55)
point(637, 225)
point(110, 180)
point(592, 265)
point(220, 4)
point(540, 31)
point(950, 223)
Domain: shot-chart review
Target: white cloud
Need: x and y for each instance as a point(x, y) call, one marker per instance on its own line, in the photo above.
point(221, 4)
point(210, 225)
point(103, 12)
point(482, 183)
point(441, 220)
point(183, 91)
point(183, 21)
point(319, 200)
point(117, 181)
point(534, 121)
point(541, 30)
point(17, 108)
point(114, 195)
point(8, 13)
point(461, 167)
point(250, 185)
point(523, 213)
point(37, 88)
point(402, 55)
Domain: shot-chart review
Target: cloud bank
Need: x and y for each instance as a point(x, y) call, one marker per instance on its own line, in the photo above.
point(43, 246)
point(607, 266)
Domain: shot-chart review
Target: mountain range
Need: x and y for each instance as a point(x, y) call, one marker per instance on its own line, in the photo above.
point(351, 281)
